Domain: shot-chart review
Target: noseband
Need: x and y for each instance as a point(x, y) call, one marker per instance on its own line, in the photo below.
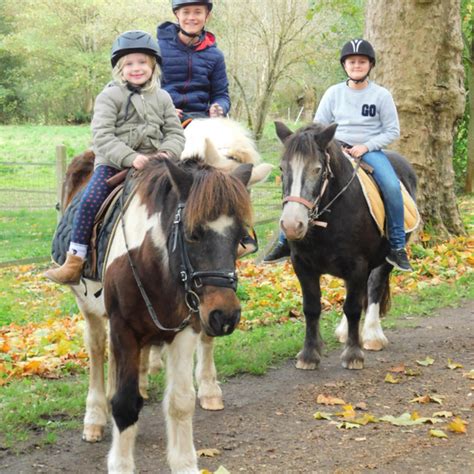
point(313, 207)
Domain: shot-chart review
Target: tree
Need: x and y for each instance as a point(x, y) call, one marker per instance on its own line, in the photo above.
point(10, 65)
point(419, 61)
point(468, 38)
point(66, 45)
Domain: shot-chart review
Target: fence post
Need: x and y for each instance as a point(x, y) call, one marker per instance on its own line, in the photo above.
point(60, 175)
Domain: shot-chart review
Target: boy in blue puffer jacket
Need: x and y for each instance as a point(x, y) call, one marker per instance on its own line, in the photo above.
point(193, 69)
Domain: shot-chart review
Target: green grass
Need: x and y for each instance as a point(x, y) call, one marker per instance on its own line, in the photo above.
point(37, 143)
point(27, 231)
point(44, 408)
point(26, 234)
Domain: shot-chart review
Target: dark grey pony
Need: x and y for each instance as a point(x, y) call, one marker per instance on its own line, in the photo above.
point(330, 231)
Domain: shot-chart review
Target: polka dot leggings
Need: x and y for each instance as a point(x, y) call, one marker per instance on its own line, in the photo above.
point(94, 195)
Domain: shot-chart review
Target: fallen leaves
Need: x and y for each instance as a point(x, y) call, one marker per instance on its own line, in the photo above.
point(438, 434)
point(427, 399)
point(43, 349)
point(329, 400)
point(426, 361)
point(207, 452)
point(409, 419)
point(453, 365)
point(458, 426)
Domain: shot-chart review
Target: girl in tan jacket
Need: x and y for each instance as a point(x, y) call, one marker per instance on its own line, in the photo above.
point(133, 119)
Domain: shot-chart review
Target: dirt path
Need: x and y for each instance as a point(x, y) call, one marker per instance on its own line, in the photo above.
point(268, 425)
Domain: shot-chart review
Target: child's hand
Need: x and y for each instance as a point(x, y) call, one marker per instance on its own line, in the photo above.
point(216, 111)
point(357, 150)
point(140, 161)
point(179, 112)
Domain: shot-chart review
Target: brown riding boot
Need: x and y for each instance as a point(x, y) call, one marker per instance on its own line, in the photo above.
point(69, 273)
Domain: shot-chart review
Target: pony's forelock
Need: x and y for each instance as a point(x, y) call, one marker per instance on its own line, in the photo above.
point(215, 193)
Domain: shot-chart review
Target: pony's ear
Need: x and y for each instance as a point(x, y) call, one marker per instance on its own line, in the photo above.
point(211, 155)
point(243, 172)
point(326, 135)
point(282, 131)
point(180, 179)
point(260, 173)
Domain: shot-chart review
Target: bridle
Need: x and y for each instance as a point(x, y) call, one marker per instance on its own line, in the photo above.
point(313, 207)
point(192, 280)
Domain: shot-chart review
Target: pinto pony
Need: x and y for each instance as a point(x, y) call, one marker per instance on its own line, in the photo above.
point(330, 231)
point(169, 273)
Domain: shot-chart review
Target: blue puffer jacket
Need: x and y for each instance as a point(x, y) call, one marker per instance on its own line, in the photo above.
point(195, 76)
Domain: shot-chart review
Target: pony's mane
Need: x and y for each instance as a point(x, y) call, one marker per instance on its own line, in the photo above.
point(212, 194)
point(304, 142)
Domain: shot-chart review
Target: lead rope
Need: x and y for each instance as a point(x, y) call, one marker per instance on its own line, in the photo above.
point(138, 281)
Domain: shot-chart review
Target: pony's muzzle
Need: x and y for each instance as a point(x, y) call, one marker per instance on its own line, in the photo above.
point(223, 323)
point(220, 311)
point(293, 229)
point(294, 220)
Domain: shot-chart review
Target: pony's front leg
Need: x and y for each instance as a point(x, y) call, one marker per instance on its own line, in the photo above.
point(209, 392)
point(353, 357)
point(126, 402)
point(95, 337)
point(310, 356)
point(378, 293)
point(179, 401)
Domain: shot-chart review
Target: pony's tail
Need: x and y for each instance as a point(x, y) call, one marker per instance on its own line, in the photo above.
point(386, 299)
point(379, 286)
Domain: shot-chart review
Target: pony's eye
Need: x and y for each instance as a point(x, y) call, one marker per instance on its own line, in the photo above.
point(195, 236)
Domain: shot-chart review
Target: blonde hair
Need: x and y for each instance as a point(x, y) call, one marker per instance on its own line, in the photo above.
point(150, 84)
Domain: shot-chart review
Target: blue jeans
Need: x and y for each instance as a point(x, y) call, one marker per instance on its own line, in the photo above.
point(389, 185)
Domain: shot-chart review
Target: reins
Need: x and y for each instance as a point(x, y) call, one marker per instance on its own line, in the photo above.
point(313, 207)
point(192, 280)
point(138, 281)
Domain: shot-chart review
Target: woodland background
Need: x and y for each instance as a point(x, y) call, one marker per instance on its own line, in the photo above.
point(281, 56)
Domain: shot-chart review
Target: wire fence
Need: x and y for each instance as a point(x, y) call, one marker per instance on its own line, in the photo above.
point(29, 193)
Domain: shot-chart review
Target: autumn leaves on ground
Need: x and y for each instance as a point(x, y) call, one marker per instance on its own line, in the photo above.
point(270, 294)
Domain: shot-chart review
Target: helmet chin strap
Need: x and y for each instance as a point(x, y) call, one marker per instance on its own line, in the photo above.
point(190, 35)
point(358, 81)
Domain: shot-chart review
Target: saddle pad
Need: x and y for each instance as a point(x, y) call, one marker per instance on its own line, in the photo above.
point(376, 206)
point(103, 231)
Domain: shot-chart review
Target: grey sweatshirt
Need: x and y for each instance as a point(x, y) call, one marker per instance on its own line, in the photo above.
point(367, 116)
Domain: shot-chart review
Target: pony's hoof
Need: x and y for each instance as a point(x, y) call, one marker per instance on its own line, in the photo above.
point(93, 433)
point(301, 364)
point(353, 364)
point(374, 345)
point(211, 403)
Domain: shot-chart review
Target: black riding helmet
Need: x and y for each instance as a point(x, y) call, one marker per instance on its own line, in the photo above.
point(360, 47)
point(135, 41)
point(176, 4)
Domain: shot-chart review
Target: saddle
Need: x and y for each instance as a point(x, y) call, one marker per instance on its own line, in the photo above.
point(105, 224)
point(375, 203)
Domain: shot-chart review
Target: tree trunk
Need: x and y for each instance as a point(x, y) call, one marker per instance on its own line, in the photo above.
point(419, 45)
point(469, 185)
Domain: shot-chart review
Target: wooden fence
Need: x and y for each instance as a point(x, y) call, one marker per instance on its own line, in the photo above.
point(41, 190)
